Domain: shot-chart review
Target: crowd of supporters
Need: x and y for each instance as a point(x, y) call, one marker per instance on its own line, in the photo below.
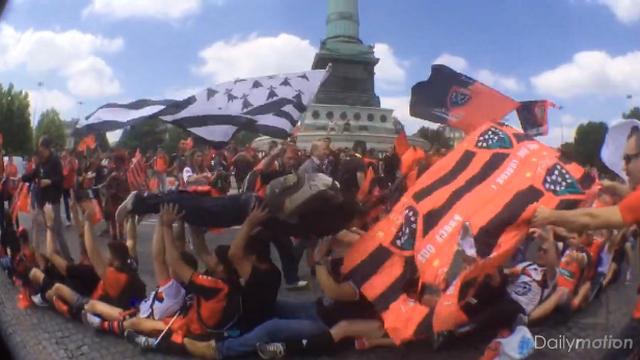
point(222, 302)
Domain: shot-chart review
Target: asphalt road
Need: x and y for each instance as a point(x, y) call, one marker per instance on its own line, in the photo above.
point(41, 334)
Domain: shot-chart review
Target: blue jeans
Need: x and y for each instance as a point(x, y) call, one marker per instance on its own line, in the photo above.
point(294, 320)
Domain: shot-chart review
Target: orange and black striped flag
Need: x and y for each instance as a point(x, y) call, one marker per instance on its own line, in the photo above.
point(137, 173)
point(490, 184)
point(451, 98)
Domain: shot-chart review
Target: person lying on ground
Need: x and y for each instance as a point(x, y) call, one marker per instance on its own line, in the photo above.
point(120, 284)
point(163, 302)
point(213, 307)
point(573, 262)
point(9, 244)
point(300, 320)
point(18, 264)
point(80, 277)
point(300, 205)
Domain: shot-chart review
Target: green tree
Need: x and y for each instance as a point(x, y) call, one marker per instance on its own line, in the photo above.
point(147, 135)
point(588, 142)
point(15, 121)
point(634, 113)
point(174, 135)
point(52, 125)
point(243, 138)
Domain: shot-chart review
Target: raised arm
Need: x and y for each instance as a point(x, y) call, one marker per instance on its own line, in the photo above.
point(157, 249)
point(168, 215)
point(266, 163)
point(237, 254)
point(580, 219)
point(132, 237)
point(344, 291)
point(96, 257)
point(200, 248)
point(57, 261)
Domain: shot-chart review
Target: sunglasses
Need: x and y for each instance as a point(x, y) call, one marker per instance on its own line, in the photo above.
point(630, 157)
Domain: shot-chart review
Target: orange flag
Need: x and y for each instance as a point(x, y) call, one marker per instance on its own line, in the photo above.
point(449, 97)
point(401, 144)
point(87, 143)
point(366, 185)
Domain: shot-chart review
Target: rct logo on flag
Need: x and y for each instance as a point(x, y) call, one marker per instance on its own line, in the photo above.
point(458, 97)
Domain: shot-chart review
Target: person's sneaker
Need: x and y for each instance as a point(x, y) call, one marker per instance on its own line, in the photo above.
point(91, 320)
point(144, 342)
point(124, 208)
point(37, 299)
point(67, 223)
point(271, 351)
point(298, 285)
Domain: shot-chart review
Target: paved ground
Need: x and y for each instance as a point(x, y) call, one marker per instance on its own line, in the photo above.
point(40, 334)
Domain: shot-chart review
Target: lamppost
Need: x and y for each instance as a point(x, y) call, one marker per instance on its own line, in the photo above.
point(34, 119)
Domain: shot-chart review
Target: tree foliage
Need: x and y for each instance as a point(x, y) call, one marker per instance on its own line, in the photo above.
point(243, 138)
point(436, 137)
point(15, 121)
point(147, 135)
point(634, 113)
point(52, 125)
point(174, 135)
point(588, 142)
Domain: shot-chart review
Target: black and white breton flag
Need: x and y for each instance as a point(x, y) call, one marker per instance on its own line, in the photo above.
point(114, 116)
point(269, 105)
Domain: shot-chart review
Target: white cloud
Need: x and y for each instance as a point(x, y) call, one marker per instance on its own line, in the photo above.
point(71, 54)
point(592, 73)
point(153, 9)
point(391, 72)
point(498, 81)
point(564, 131)
point(488, 77)
point(627, 11)
point(557, 135)
point(183, 92)
point(400, 105)
point(455, 62)
point(42, 100)
point(255, 56)
point(91, 77)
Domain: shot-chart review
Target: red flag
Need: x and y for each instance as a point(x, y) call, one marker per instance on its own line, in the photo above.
point(137, 173)
point(449, 97)
point(87, 143)
point(401, 144)
point(366, 185)
point(533, 117)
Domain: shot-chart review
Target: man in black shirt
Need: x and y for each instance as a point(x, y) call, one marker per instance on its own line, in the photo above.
point(48, 178)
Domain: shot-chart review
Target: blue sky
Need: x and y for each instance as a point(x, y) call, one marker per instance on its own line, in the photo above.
point(582, 54)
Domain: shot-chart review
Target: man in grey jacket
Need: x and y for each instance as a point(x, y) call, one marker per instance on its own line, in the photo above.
point(317, 163)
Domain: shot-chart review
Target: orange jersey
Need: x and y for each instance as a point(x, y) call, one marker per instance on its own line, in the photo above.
point(207, 309)
point(119, 288)
point(492, 181)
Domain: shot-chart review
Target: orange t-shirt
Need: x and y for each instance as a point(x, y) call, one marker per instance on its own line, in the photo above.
point(161, 164)
point(210, 300)
point(630, 208)
point(11, 170)
point(111, 285)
